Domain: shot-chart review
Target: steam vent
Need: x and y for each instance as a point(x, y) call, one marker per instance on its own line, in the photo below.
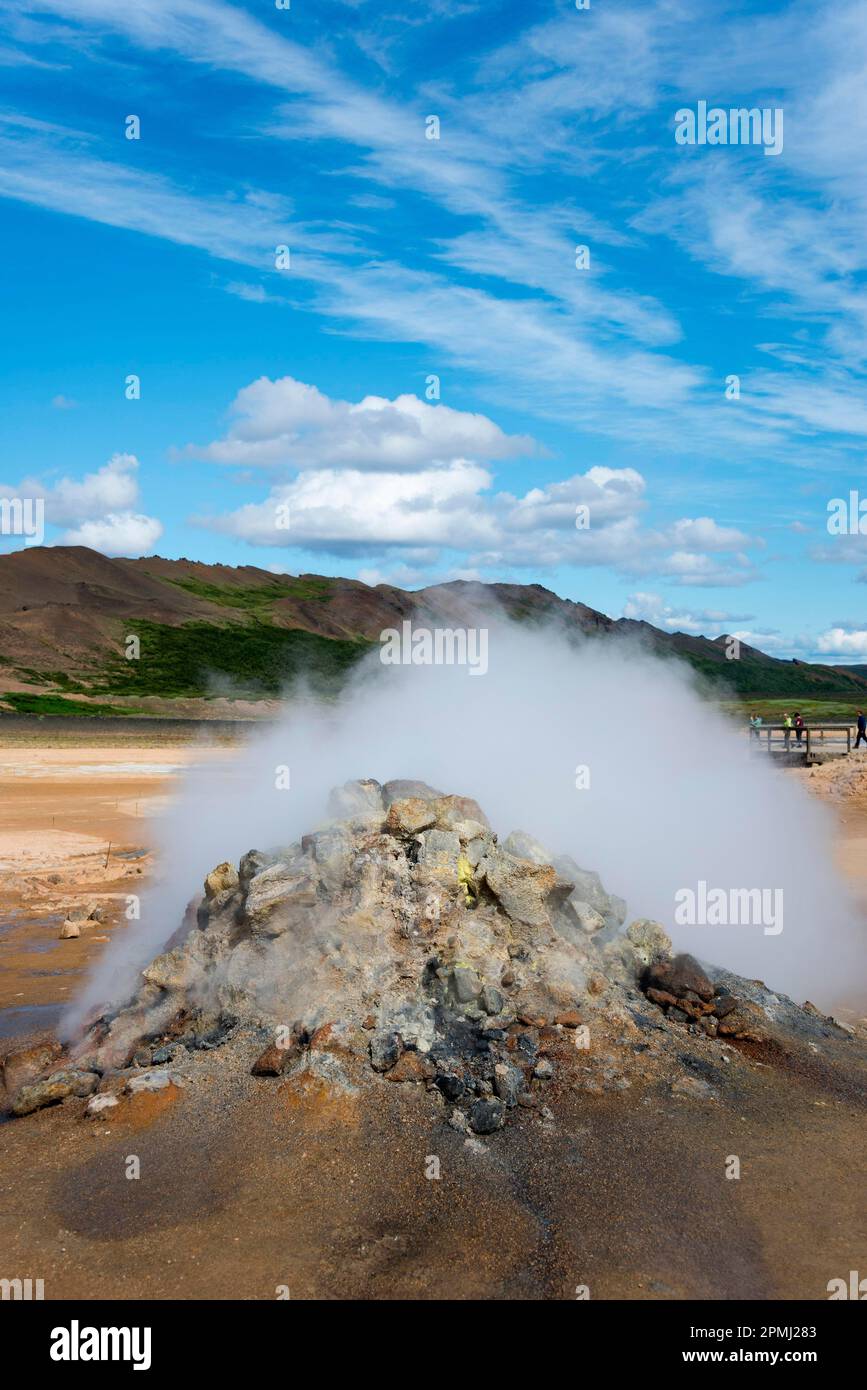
point(403, 944)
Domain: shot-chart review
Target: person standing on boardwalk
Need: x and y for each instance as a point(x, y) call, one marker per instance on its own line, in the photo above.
point(755, 725)
point(862, 728)
point(799, 727)
point(787, 725)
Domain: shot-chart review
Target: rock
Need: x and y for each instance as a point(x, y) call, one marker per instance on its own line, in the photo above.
point(222, 879)
point(570, 1018)
point(650, 939)
point(401, 789)
point(528, 1101)
point(520, 886)
point(56, 1087)
point(385, 1049)
point(69, 931)
point(710, 1025)
point(543, 1070)
point(253, 863)
point(486, 1116)
point(450, 1084)
point(279, 893)
point(162, 1055)
point(438, 856)
point(491, 1000)
point(523, 846)
point(471, 832)
point(359, 801)
point(724, 1003)
point(332, 852)
point(678, 1015)
point(679, 976)
point(475, 850)
point(586, 885)
point(508, 1083)
point(170, 971)
point(464, 983)
point(24, 1066)
point(142, 1058)
point(585, 917)
point(275, 1060)
point(98, 1104)
point(452, 811)
point(745, 1021)
point(411, 1066)
point(149, 1081)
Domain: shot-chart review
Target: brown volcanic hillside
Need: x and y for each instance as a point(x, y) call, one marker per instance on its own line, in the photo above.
point(65, 613)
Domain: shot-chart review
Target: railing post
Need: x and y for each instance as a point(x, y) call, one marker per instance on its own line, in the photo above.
point(808, 742)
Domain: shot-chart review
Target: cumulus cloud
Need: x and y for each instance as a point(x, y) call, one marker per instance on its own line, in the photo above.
point(98, 509)
point(287, 423)
point(838, 641)
point(652, 608)
point(126, 533)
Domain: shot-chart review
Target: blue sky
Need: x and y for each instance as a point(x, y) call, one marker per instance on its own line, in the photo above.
point(302, 392)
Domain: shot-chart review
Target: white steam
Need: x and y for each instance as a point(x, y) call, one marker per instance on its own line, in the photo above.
point(674, 799)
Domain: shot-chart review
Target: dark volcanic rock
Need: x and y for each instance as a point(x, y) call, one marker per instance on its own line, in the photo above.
point(486, 1116)
point(680, 977)
point(385, 1049)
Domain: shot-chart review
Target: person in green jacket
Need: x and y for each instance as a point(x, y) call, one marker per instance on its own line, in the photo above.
point(755, 725)
point(787, 722)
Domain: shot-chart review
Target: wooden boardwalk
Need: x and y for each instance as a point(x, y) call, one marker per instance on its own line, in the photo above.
point(817, 741)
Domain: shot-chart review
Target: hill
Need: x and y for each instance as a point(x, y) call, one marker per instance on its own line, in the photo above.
point(67, 613)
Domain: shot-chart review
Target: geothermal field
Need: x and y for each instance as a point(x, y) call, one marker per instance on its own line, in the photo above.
point(431, 991)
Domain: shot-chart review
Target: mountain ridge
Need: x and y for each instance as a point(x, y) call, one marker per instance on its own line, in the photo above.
point(67, 611)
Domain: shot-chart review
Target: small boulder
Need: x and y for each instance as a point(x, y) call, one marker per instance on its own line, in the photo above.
point(409, 816)
point(520, 885)
point(402, 788)
point(508, 1083)
point(681, 976)
point(222, 879)
point(385, 1049)
point(523, 846)
point(650, 939)
point(275, 1060)
point(97, 1105)
point(359, 801)
point(54, 1088)
point(452, 811)
point(69, 931)
point(20, 1068)
point(486, 1116)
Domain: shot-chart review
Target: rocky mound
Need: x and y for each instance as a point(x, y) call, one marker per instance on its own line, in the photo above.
point(402, 942)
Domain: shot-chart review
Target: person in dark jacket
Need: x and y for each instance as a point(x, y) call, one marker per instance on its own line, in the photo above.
point(862, 728)
point(799, 727)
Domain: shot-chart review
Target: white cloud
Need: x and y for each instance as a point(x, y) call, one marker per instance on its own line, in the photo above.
point(128, 533)
point(652, 608)
point(290, 424)
point(837, 641)
point(97, 510)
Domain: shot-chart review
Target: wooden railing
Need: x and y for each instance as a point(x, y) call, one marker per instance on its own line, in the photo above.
point(809, 733)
